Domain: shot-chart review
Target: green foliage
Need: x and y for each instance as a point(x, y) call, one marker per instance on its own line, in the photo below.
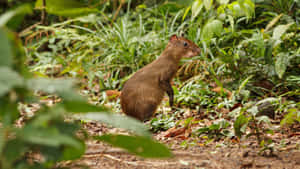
point(69, 8)
point(141, 146)
point(216, 130)
point(47, 133)
point(162, 123)
point(249, 48)
point(240, 125)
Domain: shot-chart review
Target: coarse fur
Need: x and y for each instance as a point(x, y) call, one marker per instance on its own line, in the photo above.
point(144, 91)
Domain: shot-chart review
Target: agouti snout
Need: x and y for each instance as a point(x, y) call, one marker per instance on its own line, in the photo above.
point(144, 91)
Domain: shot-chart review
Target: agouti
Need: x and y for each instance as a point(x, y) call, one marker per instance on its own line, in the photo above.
point(144, 91)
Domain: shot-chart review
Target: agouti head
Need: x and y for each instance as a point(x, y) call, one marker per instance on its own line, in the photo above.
point(183, 46)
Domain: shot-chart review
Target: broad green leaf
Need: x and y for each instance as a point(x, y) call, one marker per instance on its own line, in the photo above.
point(264, 119)
point(6, 57)
point(211, 28)
point(14, 149)
point(223, 2)
point(51, 85)
point(69, 8)
point(196, 8)
point(240, 125)
point(47, 136)
point(81, 106)
point(141, 146)
point(292, 117)
point(242, 8)
point(2, 139)
point(72, 153)
point(280, 30)
point(4, 18)
point(65, 88)
point(281, 63)
point(207, 4)
point(8, 80)
point(119, 121)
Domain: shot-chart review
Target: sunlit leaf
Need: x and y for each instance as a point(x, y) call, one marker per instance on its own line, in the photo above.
point(142, 146)
point(273, 22)
point(81, 106)
point(211, 28)
point(281, 64)
point(196, 7)
point(240, 125)
point(280, 30)
point(223, 2)
point(68, 8)
point(208, 4)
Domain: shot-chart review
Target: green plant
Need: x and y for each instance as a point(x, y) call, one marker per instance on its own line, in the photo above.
point(216, 130)
point(47, 133)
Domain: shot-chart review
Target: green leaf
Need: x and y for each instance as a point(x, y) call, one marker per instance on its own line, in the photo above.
point(4, 18)
point(72, 153)
point(78, 106)
point(141, 146)
point(281, 64)
point(223, 2)
point(208, 4)
point(6, 57)
point(13, 150)
point(63, 87)
point(196, 8)
point(187, 10)
point(120, 121)
point(240, 125)
point(292, 117)
point(242, 8)
point(8, 80)
point(47, 136)
point(280, 30)
point(69, 8)
point(211, 28)
point(2, 139)
point(243, 84)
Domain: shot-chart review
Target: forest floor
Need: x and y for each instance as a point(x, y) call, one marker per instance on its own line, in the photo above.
point(214, 155)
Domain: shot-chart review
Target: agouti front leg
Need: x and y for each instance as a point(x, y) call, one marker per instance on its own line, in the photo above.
point(166, 86)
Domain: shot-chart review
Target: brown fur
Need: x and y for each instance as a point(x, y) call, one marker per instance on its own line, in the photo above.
point(144, 91)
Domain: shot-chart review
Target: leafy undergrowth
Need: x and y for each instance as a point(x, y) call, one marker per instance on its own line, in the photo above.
point(240, 93)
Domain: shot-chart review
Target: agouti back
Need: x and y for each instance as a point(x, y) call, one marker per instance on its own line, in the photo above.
point(144, 91)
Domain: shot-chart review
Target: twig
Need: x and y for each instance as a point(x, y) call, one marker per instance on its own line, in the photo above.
point(44, 13)
point(118, 10)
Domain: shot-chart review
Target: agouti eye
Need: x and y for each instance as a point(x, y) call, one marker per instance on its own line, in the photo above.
point(185, 44)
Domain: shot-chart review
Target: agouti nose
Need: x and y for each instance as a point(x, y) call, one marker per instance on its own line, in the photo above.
point(197, 50)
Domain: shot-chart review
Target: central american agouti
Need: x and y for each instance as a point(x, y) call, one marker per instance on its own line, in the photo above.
point(144, 91)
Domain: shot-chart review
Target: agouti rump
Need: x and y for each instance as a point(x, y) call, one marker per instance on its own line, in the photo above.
point(144, 91)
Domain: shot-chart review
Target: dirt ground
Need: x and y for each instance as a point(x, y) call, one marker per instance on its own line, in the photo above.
point(215, 155)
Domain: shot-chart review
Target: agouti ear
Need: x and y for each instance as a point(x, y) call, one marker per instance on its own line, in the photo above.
point(173, 37)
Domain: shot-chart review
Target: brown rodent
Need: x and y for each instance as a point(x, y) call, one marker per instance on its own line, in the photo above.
point(144, 91)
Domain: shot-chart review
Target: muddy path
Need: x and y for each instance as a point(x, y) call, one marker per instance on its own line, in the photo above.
point(215, 155)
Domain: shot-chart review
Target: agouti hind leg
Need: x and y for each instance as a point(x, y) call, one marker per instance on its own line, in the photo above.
point(145, 111)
